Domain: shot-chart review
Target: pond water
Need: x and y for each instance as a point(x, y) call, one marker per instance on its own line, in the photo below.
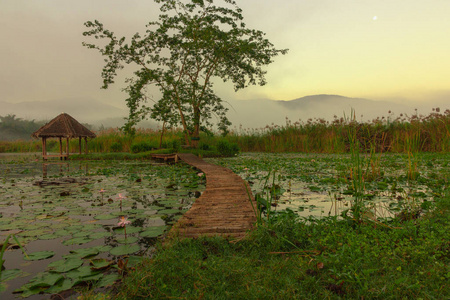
point(71, 210)
point(66, 216)
point(320, 184)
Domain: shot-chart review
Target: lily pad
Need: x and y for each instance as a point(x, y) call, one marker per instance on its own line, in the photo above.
point(125, 249)
point(128, 240)
point(10, 274)
point(101, 263)
point(130, 229)
point(65, 265)
point(85, 252)
point(63, 285)
point(153, 231)
point(99, 235)
point(107, 280)
point(39, 255)
point(77, 241)
point(79, 274)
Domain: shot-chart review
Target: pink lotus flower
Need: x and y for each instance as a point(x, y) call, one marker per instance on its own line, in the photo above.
point(123, 222)
point(200, 174)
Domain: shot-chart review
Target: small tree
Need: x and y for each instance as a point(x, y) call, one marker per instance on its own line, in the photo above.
point(192, 42)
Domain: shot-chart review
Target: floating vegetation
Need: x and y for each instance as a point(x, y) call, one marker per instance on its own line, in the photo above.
point(72, 217)
point(321, 184)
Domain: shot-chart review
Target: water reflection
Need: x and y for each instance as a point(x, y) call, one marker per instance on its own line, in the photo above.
point(71, 213)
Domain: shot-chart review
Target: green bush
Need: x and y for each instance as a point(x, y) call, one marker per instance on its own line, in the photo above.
point(176, 145)
point(227, 149)
point(116, 147)
point(142, 147)
point(203, 146)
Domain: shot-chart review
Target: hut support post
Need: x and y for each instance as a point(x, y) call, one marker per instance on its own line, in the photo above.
point(60, 149)
point(67, 148)
point(44, 148)
point(85, 144)
point(79, 140)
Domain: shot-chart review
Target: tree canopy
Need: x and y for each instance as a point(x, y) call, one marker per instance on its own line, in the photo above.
point(192, 42)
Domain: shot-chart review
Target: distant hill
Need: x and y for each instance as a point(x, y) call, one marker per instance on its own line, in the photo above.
point(83, 109)
point(255, 113)
point(337, 105)
point(259, 113)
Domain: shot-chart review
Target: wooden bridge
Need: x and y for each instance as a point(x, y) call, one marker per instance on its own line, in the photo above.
point(224, 208)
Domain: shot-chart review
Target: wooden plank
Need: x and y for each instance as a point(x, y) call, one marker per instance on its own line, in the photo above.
point(224, 208)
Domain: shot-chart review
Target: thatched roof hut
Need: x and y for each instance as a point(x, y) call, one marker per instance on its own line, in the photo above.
point(63, 126)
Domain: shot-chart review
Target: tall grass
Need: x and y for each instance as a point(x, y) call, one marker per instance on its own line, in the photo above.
point(403, 134)
point(430, 133)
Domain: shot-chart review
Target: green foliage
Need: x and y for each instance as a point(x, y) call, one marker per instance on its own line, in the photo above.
point(116, 147)
point(191, 43)
point(12, 128)
point(142, 147)
point(414, 134)
point(304, 259)
point(203, 146)
point(227, 149)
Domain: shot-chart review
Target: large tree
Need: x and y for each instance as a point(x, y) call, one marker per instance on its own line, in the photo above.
point(192, 42)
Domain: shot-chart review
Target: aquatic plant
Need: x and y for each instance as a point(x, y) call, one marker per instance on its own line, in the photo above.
point(123, 223)
point(2, 251)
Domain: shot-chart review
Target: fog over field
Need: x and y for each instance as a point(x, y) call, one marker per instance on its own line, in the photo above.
point(248, 113)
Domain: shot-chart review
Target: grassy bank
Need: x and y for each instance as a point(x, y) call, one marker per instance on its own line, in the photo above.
point(393, 134)
point(305, 259)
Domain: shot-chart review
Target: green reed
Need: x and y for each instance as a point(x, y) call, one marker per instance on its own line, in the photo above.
point(4, 248)
point(432, 134)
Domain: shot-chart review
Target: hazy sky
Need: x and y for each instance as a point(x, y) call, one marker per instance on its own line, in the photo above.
point(377, 49)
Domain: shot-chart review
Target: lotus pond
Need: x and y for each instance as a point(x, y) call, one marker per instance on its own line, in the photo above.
point(66, 215)
point(323, 184)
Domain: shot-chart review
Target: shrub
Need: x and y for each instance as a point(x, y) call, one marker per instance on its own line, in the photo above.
point(227, 149)
point(116, 147)
point(203, 146)
point(142, 147)
point(176, 145)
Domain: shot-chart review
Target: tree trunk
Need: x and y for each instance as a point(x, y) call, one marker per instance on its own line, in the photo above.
point(162, 134)
point(195, 136)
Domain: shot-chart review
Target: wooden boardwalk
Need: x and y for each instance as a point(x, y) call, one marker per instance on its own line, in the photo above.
point(223, 208)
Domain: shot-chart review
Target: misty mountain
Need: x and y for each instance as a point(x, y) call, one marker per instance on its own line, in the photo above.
point(248, 113)
point(85, 110)
point(259, 113)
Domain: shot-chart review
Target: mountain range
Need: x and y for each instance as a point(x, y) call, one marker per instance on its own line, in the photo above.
point(246, 113)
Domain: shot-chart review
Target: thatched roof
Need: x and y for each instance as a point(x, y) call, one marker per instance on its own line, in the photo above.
point(63, 126)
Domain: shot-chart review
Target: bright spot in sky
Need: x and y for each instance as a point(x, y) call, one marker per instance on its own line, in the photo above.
point(375, 18)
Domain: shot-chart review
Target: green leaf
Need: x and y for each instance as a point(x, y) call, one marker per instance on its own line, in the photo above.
point(130, 229)
point(63, 285)
point(153, 231)
point(80, 273)
point(10, 274)
point(77, 241)
point(39, 255)
point(101, 263)
point(99, 235)
point(85, 252)
point(45, 280)
point(128, 240)
point(125, 249)
point(107, 280)
point(65, 265)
